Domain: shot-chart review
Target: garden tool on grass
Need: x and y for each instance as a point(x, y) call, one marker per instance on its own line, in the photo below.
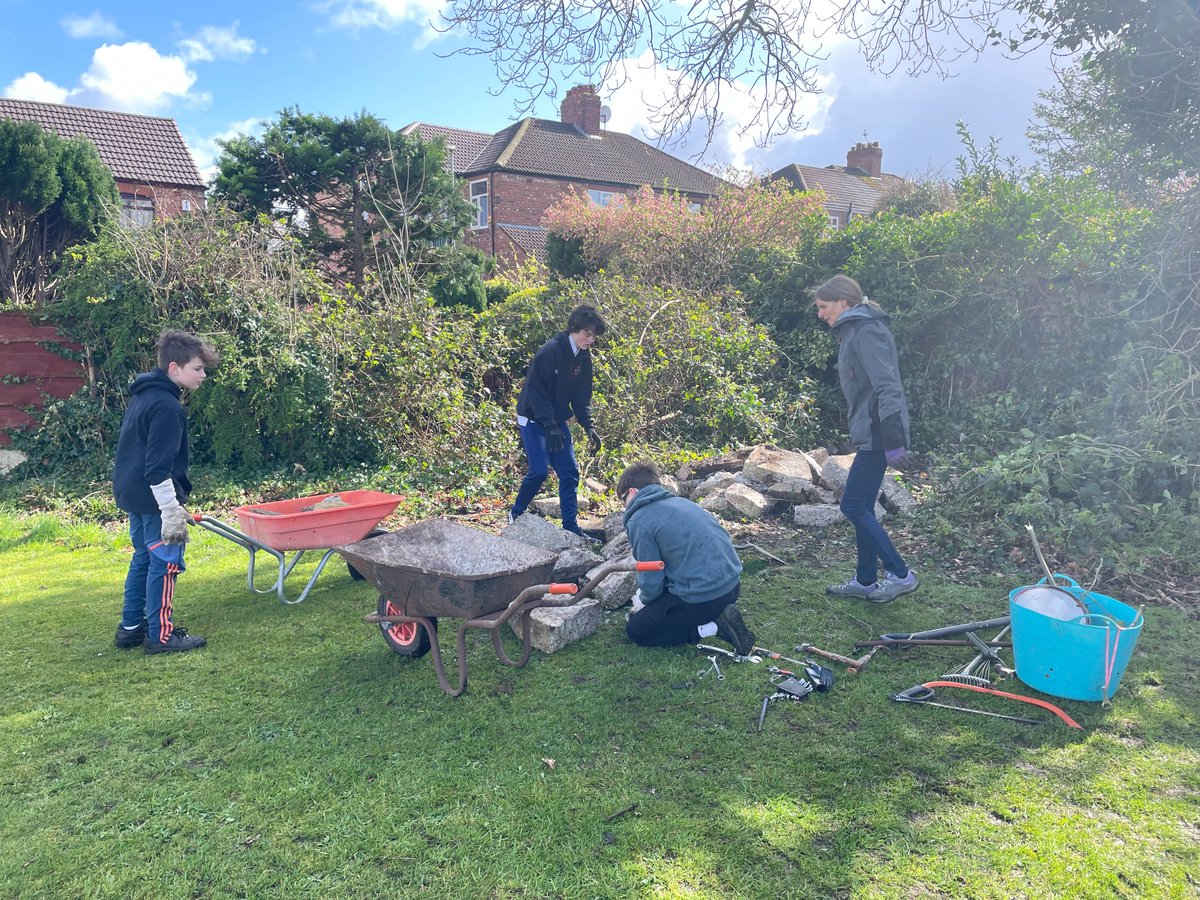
point(980, 671)
point(921, 694)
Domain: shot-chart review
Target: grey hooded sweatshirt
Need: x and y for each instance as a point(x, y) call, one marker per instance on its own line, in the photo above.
point(870, 378)
point(701, 564)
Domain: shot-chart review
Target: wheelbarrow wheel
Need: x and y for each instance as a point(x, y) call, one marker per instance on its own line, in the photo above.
point(405, 638)
point(354, 573)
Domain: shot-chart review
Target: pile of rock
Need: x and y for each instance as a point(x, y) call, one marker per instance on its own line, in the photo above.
point(747, 484)
point(754, 482)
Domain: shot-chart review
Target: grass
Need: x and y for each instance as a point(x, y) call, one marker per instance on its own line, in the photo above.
point(295, 756)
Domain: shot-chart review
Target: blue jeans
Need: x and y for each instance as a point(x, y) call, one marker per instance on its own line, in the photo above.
point(858, 506)
point(150, 584)
point(533, 436)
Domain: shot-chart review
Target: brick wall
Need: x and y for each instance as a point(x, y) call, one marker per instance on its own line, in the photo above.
point(168, 201)
point(29, 372)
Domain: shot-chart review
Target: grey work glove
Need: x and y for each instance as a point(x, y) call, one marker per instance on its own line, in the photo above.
point(554, 439)
point(594, 443)
point(897, 457)
point(174, 516)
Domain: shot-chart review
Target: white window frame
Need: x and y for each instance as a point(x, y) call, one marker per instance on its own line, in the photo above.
point(833, 222)
point(602, 198)
point(479, 199)
point(137, 211)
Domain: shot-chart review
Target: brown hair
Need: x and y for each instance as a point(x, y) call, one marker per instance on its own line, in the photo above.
point(840, 287)
point(181, 347)
point(637, 475)
point(586, 318)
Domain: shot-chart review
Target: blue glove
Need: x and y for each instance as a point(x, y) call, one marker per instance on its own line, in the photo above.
point(895, 457)
point(554, 439)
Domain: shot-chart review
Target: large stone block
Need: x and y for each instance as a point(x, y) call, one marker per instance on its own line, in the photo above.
point(713, 484)
point(573, 564)
point(747, 501)
point(616, 590)
point(550, 508)
point(768, 464)
point(834, 474)
point(553, 627)
point(702, 468)
point(896, 497)
point(817, 516)
point(537, 532)
point(797, 490)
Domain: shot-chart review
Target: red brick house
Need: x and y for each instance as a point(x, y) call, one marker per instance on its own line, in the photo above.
point(513, 176)
point(155, 173)
point(156, 177)
point(854, 189)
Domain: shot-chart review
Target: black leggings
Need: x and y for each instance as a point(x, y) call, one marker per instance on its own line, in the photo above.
point(670, 620)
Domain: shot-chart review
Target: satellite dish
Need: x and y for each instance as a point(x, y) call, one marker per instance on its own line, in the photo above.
point(605, 114)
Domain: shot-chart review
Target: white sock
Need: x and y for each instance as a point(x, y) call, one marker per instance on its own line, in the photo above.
point(708, 629)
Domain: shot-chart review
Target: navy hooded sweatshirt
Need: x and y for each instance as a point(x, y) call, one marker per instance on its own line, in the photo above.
point(153, 445)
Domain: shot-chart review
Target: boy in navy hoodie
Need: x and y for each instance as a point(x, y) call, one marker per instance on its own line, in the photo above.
point(150, 482)
point(558, 386)
point(694, 596)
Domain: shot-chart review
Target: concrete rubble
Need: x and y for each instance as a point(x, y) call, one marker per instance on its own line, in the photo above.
point(748, 484)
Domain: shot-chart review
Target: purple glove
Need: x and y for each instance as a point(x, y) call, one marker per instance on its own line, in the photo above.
point(895, 457)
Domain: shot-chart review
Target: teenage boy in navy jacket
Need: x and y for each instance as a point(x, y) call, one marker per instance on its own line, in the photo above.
point(694, 595)
point(558, 386)
point(150, 481)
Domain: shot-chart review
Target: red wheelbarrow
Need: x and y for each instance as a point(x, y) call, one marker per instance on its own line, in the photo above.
point(319, 522)
point(439, 568)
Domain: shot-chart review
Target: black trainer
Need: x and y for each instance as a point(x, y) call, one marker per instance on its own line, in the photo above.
point(732, 630)
point(178, 642)
point(128, 638)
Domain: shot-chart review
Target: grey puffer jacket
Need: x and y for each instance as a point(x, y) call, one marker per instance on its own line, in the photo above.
point(869, 375)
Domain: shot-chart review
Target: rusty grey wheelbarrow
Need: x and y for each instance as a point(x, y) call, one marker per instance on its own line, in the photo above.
point(440, 569)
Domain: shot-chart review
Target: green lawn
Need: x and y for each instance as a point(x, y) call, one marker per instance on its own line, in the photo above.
point(296, 756)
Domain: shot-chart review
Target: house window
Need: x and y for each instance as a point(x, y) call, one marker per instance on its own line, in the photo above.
point(136, 212)
point(693, 207)
point(479, 197)
point(833, 222)
point(602, 198)
point(186, 205)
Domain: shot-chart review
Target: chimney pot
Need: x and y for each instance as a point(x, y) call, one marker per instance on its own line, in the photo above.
point(868, 157)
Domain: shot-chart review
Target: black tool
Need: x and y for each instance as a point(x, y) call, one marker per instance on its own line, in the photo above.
point(821, 676)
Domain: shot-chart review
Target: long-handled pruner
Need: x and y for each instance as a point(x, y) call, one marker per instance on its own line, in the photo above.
point(923, 695)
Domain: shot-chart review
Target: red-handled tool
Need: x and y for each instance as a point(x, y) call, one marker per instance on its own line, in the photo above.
point(559, 588)
point(982, 690)
point(656, 565)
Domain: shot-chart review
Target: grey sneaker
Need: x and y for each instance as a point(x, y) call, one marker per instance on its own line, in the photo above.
point(852, 588)
point(892, 586)
point(179, 642)
point(732, 630)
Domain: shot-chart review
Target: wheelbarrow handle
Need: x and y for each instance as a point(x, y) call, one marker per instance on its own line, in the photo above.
point(559, 588)
point(656, 565)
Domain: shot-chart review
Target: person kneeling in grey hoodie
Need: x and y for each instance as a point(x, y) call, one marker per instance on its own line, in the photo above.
point(694, 596)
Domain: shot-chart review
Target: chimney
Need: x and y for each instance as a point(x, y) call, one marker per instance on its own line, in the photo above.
point(868, 157)
point(581, 107)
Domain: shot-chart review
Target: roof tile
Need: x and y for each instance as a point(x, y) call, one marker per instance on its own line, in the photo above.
point(135, 148)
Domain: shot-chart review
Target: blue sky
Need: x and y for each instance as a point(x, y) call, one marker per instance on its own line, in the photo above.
point(219, 68)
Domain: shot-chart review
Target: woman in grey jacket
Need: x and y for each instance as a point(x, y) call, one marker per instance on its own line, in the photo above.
point(869, 375)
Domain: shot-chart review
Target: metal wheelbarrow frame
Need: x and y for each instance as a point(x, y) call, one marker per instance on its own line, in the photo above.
point(416, 587)
point(288, 525)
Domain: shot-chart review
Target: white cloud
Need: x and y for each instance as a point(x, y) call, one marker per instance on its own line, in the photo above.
point(385, 14)
point(206, 150)
point(32, 86)
point(641, 85)
point(136, 78)
point(217, 43)
point(95, 25)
